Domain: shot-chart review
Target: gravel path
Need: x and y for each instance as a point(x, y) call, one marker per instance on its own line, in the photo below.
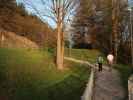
point(108, 86)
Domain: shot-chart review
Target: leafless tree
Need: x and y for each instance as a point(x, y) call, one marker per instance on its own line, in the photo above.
point(58, 11)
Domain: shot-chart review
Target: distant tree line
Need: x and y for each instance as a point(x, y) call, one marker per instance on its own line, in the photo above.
point(101, 23)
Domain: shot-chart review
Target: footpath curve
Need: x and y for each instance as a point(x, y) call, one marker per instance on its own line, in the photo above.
point(107, 84)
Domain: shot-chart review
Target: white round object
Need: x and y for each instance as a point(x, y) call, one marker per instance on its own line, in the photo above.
point(110, 58)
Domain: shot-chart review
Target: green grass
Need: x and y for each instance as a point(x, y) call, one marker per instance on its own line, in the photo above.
point(83, 54)
point(125, 72)
point(27, 74)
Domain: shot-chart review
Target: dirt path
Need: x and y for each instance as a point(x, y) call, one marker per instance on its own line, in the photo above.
point(108, 86)
point(107, 83)
point(79, 61)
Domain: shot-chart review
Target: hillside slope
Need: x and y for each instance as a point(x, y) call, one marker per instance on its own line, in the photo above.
point(12, 40)
point(14, 18)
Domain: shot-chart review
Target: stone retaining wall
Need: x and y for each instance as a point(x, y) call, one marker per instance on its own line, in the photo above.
point(88, 93)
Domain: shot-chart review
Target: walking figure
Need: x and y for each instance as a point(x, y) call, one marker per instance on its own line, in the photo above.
point(100, 63)
point(110, 59)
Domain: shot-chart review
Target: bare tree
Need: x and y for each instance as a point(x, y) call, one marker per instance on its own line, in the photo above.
point(58, 11)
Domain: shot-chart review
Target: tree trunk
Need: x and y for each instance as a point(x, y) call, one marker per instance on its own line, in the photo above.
point(115, 32)
point(115, 41)
point(62, 48)
point(59, 60)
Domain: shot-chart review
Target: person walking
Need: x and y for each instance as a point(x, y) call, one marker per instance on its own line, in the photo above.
point(110, 59)
point(100, 63)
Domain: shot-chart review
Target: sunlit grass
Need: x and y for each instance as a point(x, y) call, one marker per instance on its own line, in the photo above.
point(29, 63)
point(27, 74)
point(83, 54)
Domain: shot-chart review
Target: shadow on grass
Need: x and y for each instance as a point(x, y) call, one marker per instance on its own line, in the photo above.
point(71, 88)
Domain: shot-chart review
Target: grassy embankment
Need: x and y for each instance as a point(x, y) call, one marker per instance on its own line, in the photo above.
point(31, 75)
point(83, 54)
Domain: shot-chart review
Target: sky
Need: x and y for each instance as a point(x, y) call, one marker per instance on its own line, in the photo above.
point(130, 2)
point(43, 9)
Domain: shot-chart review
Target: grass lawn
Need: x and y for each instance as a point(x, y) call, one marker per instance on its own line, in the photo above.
point(27, 74)
point(83, 54)
point(125, 72)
